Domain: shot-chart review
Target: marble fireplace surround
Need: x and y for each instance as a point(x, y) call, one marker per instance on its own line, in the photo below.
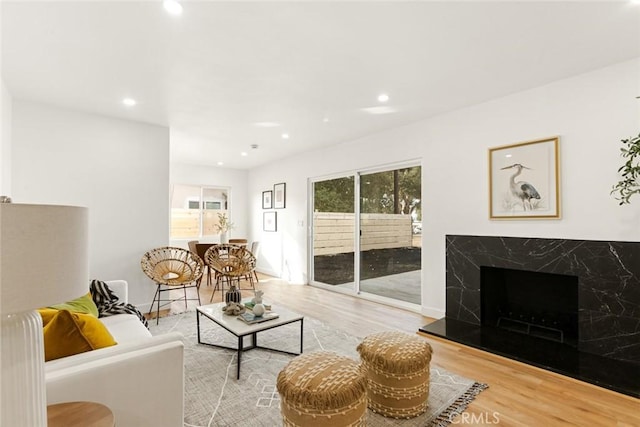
point(608, 289)
point(608, 347)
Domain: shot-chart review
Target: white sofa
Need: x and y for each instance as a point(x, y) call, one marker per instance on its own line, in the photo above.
point(141, 379)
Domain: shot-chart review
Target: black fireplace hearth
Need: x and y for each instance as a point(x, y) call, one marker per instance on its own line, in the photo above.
point(617, 375)
point(569, 306)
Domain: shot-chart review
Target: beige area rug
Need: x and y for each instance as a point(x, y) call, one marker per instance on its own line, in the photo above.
point(214, 397)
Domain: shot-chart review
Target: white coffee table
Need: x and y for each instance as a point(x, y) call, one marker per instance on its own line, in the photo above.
point(241, 329)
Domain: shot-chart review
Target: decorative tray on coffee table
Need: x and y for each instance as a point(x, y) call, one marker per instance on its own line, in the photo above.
point(250, 318)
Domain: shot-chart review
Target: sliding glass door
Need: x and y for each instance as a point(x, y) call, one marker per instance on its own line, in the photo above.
point(367, 234)
point(334, 228)
point(390, 237)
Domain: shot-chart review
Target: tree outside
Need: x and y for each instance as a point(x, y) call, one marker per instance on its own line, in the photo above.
point(334, 195)
point(396, 191)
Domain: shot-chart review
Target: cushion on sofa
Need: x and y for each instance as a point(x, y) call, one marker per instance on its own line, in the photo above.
point(126, 328)
point(68, 333)
point(84, 304)
point(47, 314)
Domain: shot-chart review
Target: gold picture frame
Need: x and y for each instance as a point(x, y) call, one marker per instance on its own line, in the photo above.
point(524, 180)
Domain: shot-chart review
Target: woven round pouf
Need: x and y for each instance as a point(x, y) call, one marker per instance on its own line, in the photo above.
point(397, 369)
point(322, 389)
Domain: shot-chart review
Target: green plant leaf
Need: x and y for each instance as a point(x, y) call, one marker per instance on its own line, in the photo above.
point(630, 171)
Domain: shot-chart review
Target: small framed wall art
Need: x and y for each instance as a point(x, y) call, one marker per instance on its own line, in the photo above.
point(279, 195)
point(270, 221)
point(266, 199)
point(523, 180)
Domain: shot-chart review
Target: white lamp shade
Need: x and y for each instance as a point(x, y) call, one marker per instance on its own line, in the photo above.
point(44, 257)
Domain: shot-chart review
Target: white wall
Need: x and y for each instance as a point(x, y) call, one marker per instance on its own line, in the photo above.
point(117, 168)
point(233, 179)
point(590, 113)
point(6, 111)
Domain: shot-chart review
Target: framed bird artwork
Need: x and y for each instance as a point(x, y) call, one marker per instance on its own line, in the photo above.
point(524, 180)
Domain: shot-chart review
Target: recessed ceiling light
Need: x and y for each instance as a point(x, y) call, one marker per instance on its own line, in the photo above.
point(383, 97)
point(129, 102)
point(267, 124)
point(285, 136)
point(220, 163)
point(326, 120)
point(244, 154)
point(172, 6)
point(383, 109)
point(507, 155)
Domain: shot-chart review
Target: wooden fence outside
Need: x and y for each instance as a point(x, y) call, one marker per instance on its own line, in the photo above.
point(333, 232)
point(185, 223)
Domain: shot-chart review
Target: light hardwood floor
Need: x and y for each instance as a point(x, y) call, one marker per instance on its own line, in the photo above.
point(518, 394)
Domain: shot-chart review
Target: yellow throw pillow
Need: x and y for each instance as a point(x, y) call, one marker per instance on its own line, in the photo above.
point(47, 314)
point(70, 333)
point(84, 304)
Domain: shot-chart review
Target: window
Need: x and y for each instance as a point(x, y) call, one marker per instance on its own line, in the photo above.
point(195, 209)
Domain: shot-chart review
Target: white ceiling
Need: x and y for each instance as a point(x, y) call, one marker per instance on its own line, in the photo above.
point(219, 68)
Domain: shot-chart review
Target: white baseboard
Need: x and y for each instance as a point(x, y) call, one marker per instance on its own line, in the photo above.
point(436, 313)
point(268, 272)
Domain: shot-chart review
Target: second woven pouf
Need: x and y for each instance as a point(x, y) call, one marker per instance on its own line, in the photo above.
point(322, 389)
point(397, 369)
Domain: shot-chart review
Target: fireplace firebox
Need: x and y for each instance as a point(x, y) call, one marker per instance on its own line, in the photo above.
point(569, 306)
point(542, 305)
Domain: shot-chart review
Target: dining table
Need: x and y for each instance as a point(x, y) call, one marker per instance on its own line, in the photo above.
point(201, 249)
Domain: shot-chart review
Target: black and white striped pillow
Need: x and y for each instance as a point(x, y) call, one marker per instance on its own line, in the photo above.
point(109, 304)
